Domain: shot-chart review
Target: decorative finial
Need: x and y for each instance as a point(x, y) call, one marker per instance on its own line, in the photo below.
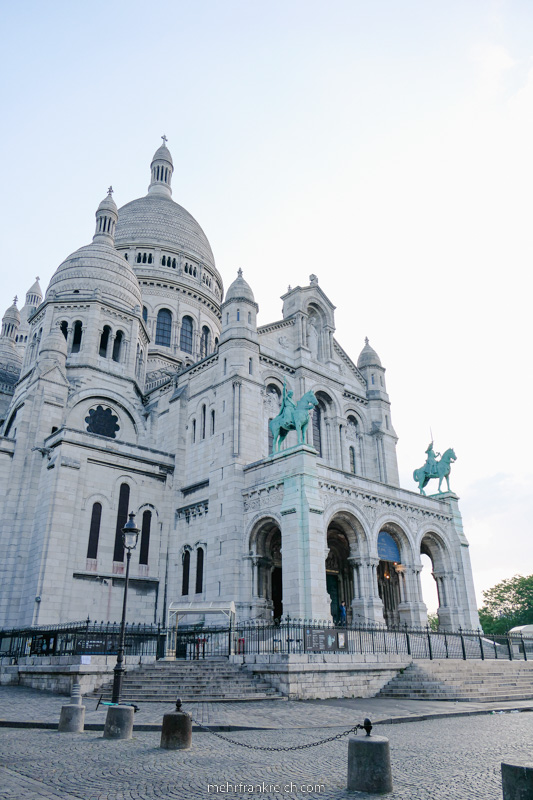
point(289, 288)
point(165, 140)
point(15, 300)
point(110, 191)
point(239, 272)
point(366, 339)
point(37, 278)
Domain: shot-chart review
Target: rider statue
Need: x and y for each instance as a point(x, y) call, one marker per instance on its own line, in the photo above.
point(431, 461)
point(287, 405)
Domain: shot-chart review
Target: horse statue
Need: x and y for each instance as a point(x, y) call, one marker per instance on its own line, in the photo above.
point(435, 469)
point(293, 416)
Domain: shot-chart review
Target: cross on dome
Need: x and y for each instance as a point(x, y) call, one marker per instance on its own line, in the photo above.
point(239, 272)
point(110, 191)
point(15, 300)
point(165, 140)
point(366, 339)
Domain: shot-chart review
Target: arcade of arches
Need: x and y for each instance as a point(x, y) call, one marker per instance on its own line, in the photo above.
point(374, 590)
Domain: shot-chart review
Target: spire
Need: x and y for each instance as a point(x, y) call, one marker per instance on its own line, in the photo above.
point(161, 171)
point(34, 295)
point(106, 219)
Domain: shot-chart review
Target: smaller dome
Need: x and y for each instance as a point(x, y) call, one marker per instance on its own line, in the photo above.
point(54, 343)
point(108, 204)
point(35, 290)
point(163, 154)
point(239, 289)
point(12, 314)
point(368, 357)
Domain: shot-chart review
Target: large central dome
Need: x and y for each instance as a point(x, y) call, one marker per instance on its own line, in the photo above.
point(157, 221)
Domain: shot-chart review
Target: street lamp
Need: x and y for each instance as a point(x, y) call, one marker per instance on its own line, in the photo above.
point(130, 535)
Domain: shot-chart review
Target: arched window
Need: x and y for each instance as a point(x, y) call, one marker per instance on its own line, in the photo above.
point(122, 518)
point(216, 342)
point(199, 570)
point(317, 436)
point(163, 328)
point(186, 334)
point(250, 366)
point(150, 258)
point(238, 314)
point(352, 460)
point(139, 258)
point(186, 561)
point(145, 537)
point(193, 431)
point(76, 339)
point(94, 531)
point(64, 328)
point(117, 346)
point(205, 342)
point(249, 318)
point(212, 423)
point(203, 422)
point(145, 314)
point(104, 341)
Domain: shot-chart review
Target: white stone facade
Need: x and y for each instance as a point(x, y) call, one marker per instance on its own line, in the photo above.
point(142, 388)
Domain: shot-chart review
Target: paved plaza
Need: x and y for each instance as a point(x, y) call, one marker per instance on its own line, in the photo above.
point(442, 757)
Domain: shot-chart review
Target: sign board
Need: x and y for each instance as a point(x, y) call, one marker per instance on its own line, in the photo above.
point(320, 640)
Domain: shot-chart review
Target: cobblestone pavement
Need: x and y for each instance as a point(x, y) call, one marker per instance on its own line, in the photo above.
point(445, 759)
point(18, 703)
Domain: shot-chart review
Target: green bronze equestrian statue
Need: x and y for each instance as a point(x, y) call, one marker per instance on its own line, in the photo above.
point(434, 468)
point(292, 416)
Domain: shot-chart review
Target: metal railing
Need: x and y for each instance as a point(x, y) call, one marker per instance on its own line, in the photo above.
point(307, 636)
point(256, 637)
point(82, 638)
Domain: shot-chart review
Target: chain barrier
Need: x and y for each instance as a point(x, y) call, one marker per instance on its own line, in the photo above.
point(295, 747)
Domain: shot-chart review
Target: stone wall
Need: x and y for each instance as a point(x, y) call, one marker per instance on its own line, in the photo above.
point(57, 673)
point(317, 677)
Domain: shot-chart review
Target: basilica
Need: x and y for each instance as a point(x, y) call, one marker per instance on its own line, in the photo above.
point(138, 384)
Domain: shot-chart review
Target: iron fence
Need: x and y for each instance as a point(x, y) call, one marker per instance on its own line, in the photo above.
point(293, 636)
point(82, 638)
point(305, 636)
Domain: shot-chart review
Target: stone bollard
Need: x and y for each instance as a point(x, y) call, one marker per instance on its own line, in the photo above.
point(72, 718)
point(119, 722)
point(369, 767)
point(75, 695)
point(176, 733)
point(517, 781)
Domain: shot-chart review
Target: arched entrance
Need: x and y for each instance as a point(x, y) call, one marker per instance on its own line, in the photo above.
point(434, 551)
point(388, 576)
point(267, 577)
point(339, 582)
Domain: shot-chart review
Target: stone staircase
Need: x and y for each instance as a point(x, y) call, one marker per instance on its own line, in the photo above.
point(209, 680)
point(475, 681)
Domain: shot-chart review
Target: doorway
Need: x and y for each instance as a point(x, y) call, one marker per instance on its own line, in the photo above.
point(277, 592)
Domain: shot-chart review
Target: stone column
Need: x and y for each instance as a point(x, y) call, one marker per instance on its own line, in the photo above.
point(236, 412)
point(302, 536)
point(70, 336)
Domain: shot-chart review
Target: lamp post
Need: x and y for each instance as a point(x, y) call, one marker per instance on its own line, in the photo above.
point(130, 535)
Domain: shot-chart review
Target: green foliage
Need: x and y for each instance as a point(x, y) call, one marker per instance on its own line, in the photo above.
point(507, 604)
point(433, 622)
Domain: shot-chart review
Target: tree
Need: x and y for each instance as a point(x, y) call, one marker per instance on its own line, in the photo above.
point(507, 604)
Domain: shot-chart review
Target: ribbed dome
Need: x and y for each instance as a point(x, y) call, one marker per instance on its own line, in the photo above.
point(12, 314)
point(155, 221)
point(239, 288)
point(163, 154)
point(97, 266)
point(368, 357)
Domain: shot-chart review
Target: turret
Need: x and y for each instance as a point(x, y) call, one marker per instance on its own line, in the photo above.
point(161, 171)
point(239, 311)
point(106, 219)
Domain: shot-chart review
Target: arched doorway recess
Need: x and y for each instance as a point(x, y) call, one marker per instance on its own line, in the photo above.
point(389, 577)
point(435, 549)
point(267, 583)
point(339, 573)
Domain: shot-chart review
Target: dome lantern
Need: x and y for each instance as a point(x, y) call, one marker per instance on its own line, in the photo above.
point(161, 168)
point(11, 321)
point(106, 219)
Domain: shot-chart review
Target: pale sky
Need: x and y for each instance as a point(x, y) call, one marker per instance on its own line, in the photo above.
point(385, 146)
